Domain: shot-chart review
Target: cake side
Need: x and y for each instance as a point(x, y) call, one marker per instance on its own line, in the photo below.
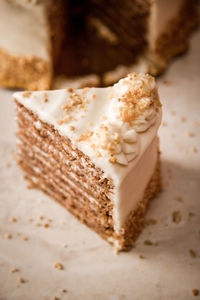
point(25, 48)
point(29, 72)
point(173, 38)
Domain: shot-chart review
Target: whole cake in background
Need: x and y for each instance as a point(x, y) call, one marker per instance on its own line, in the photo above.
point(43, 40)
point(95, 151)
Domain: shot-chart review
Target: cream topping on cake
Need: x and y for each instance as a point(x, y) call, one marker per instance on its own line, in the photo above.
point(115, 127)
point(26, 33)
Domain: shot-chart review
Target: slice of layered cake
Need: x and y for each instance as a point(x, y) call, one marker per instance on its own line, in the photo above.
point(95, 151)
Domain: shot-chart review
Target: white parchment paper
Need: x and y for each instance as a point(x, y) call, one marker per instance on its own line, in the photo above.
point(91, 269)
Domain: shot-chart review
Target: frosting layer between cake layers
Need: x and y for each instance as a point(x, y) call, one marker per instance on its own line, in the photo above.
point(116, 127)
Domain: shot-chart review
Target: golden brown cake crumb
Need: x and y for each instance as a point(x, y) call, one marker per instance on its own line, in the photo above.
point(176, 217)
point(20, 280)
point(58, 266)
point(26, 94)
point(38, 224)
point(190, 134)
point(14, 270)
point(193, 253)
point(46, 225)
point(194, 149)
point(70, 90)
point(64, 291)
point(148, 243)
point(7, 236)
point(141, 256)
point(13, 219)
point(195, 292)
point(182, 119)
point(24, 238)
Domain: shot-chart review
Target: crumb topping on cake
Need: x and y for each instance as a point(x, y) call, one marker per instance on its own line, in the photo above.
point(110, 124)
point(132, 109)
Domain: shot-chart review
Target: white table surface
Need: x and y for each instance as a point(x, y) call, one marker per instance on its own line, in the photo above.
point(91, 268)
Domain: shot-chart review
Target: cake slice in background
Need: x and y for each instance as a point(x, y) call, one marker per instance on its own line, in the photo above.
point(95, 151)
point(43, 40)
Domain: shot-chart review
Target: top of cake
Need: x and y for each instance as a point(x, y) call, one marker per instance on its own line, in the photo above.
point(113, 126)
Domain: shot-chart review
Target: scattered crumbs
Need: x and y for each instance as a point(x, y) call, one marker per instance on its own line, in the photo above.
point(45, 100)
point(91, 124)
point(58, 266)
point(20, 280)
point(72, 128)
point(176, 217)
point(7, 236)
point(182, 119)
point(151, 221)
point(164, 124)
point(46, 225)
point(70, 90)
point(173, 112)
point(41, 217)
point(191, 214)
point(148, 243)
point(64, 291)
point(195, 292)
point(166, 81)
point(141, 256)
point(55, 298)
point(194, 149)
point(94, 96)
point(112, 160)
point(30, 220)
point(7, 164)
point(13, 219)
point(179, 199)
point(190, 134)
point(193, 253)
point(49, 220)
point(38, 224)
point(24, 238)
point(87, 134)
point(26, 94)
point(14, 270)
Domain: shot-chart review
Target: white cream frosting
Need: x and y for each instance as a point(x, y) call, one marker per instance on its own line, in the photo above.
point(83, 114)
point(23, 28)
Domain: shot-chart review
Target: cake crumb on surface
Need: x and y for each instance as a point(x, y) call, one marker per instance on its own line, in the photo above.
point(7, 236)
point(195, 292)
point(20, 280)
point(37, 224)
point(190, 133)
point(182, 119)
point(194, 149)
point(148, 243)
point(13, 219)
point(141, 257)
point(58, 266)
point(70, 90)
point(193, 253)
point(176, 217)
point(24, 238)
point(14, 270)
point(64, 291)
point(179, 199)
point(46, 225)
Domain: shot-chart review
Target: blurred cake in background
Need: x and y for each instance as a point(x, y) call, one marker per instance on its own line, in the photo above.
point(44, 40)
